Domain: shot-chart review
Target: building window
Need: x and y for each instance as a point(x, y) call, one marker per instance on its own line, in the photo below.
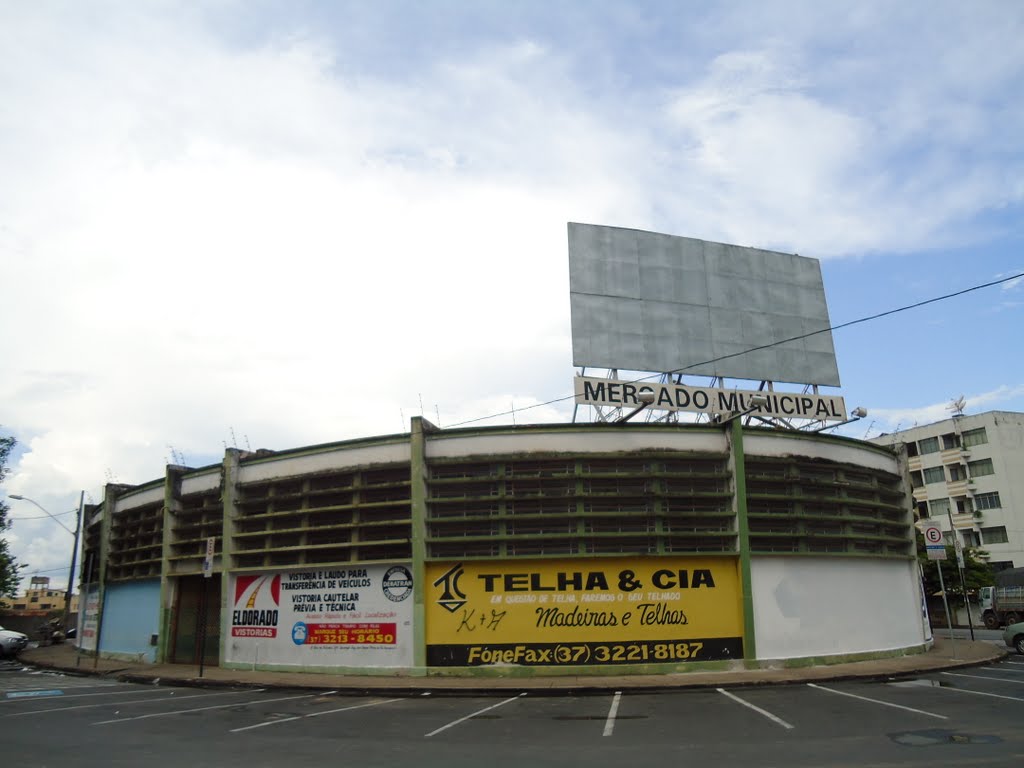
point(938, 507)
point(975, 437)
point(911, 449)
point(922, 509)
point(957, 472)
point(963, 506)
point(33, 599)
point(928, 445)
point(981, 467)
point(934, 475)
point(915, 479)
point(971, 539)
point(987, 501)
point(994, 535)
point(19, 606)
point(949, 441)
point(1001, 565)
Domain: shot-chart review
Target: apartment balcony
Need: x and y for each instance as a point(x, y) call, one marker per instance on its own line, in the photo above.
point(952, 455)
point(958, 488)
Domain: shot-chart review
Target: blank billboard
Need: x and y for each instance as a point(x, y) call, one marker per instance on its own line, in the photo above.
point(643, 301)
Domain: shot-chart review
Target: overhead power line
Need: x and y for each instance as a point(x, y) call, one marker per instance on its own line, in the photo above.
point(829, 329)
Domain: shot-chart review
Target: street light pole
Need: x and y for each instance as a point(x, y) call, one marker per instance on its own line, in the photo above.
point(74, 551)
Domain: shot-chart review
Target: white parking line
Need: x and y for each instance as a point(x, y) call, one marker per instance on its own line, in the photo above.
point(204, 709)
point(878, 701)
point(312, 714)
point(985, 677)
point(468, 717)
point(757, 709)
point(609, 723)
point(83, 695)
point(166, 697)
point(980, 693)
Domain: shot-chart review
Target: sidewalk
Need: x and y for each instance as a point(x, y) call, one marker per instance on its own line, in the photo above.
point(941, 657)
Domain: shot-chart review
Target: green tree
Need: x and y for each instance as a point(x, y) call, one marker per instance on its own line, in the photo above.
point(9, 568)
point(977, 573)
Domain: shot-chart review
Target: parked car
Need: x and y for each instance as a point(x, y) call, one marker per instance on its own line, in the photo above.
point(1013, 636)
point(11, 643)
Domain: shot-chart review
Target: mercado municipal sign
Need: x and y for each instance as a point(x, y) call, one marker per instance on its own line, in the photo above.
point(612, 393)
point(605, 611)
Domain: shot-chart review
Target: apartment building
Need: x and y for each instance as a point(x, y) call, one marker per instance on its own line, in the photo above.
point(968, 471)
point(39, 598)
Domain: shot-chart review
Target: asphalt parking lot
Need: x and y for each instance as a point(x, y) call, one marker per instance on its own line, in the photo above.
point(962, 717)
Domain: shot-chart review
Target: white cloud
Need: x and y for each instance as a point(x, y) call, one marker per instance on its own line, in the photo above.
point(892, 419)
point(1012, 285)
point(200, 236)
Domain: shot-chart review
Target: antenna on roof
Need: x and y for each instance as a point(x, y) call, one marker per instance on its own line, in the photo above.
point(956, 407)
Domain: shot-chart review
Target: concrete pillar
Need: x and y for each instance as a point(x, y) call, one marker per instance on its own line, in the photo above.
point(418, 502)
point(229, 500)
point(172, 506)
point(737, 464)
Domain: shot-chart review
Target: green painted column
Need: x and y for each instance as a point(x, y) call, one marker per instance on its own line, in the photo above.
point(739, 474)
point(229, 500)
point(110, 492)
point(172, 506)
point(418, 504)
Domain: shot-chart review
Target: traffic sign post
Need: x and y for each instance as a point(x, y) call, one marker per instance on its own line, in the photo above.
point(935, 545)
point(958, 545)
point(211, 545)
point(934, 542)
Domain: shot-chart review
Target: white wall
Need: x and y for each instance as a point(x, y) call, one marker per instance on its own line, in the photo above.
point(808, 606)
point(338, 458)
point(586, 440)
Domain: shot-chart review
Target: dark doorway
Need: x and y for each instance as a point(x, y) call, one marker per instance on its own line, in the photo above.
point(197, 605)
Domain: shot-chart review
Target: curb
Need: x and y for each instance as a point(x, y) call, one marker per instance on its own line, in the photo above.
point(548, 687)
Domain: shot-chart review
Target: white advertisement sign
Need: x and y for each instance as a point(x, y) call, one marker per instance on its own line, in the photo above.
point(611, 393)
point(89, 621)
point(351, 616)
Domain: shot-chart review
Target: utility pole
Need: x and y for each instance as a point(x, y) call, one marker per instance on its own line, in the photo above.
point(74, 561)
point(960, 567)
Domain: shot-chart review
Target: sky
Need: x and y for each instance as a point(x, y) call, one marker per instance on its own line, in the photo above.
point(271, 224)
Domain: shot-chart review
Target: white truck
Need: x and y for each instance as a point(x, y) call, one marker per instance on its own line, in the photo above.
point(1003, 603)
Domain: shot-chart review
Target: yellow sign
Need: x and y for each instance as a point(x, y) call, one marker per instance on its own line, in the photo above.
point(578, 612)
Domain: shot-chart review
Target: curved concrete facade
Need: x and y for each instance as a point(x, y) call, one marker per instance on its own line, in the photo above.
point(520, 550)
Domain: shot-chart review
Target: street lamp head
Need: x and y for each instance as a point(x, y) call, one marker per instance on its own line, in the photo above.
point(758, 400)
point(45, 511)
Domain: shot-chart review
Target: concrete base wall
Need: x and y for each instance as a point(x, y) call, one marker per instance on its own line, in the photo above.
point(813, 607)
